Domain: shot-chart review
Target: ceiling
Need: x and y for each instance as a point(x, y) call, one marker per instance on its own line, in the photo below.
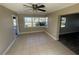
point(50, 7)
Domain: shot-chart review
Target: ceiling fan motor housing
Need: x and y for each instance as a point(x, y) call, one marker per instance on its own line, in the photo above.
point(35, 6)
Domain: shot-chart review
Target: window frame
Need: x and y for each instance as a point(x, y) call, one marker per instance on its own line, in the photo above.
point(33, 21)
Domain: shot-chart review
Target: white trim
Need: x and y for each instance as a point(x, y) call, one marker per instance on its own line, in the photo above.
point(8, 48)
point(50, 35)
point(31, 32)
point(17, 24)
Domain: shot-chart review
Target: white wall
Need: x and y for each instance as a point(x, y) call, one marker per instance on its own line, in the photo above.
point(6, 33)
point(21, 24)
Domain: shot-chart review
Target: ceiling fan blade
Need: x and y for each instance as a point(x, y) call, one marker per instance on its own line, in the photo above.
point(42, 10)
point(27, 6)
point(41, 6)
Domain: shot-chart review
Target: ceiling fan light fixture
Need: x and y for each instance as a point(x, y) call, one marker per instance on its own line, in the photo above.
point(36, 7)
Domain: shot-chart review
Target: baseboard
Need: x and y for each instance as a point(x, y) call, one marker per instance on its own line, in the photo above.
point(4, 53)
point(50, 35)
point(31, 32)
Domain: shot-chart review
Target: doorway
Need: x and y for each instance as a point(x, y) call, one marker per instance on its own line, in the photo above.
point(15, 25)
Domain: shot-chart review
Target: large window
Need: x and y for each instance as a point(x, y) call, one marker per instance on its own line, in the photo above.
point(28, 21)
point(36, 22)
point(63, 21)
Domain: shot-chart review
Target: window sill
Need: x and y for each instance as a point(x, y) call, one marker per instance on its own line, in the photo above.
point(38, 27)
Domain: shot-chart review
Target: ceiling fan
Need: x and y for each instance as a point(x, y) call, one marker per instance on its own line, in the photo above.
point(36, 7)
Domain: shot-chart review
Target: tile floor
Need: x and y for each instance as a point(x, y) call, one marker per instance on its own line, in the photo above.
point(38, 44)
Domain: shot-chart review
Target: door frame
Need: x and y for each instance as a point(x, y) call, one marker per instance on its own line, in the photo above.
point(58, 26)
